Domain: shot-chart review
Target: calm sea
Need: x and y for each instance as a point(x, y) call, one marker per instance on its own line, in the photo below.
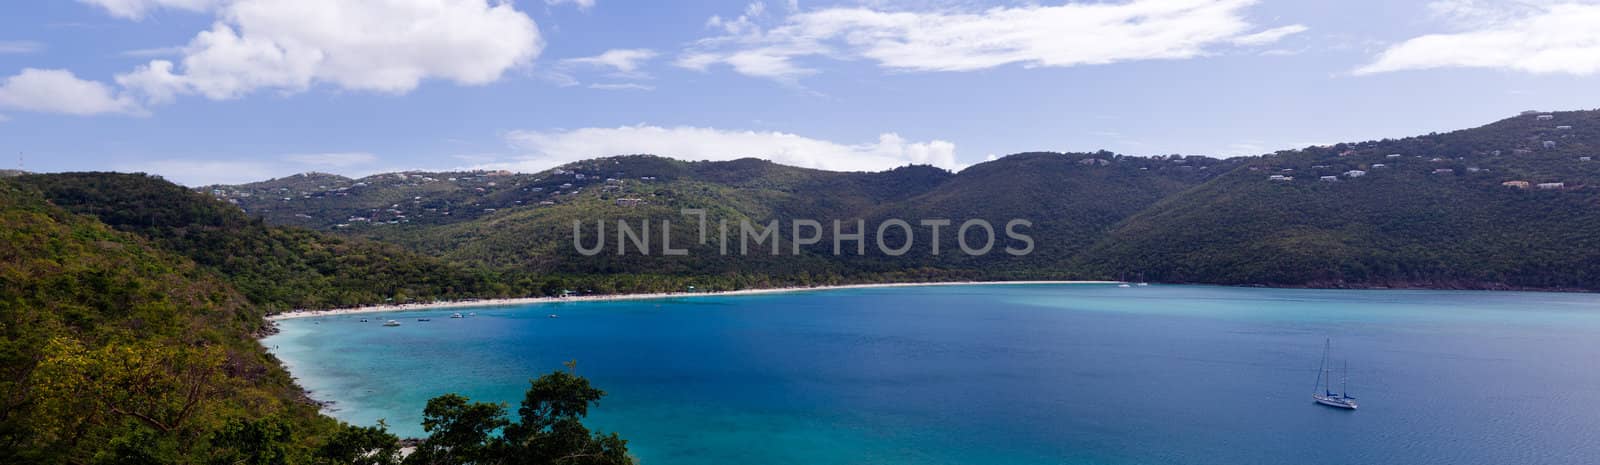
point(1009, 374)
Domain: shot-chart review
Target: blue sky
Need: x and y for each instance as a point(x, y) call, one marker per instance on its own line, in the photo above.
point(204, 91)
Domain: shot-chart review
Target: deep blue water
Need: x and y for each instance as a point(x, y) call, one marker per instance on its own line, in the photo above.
point(1010, 374)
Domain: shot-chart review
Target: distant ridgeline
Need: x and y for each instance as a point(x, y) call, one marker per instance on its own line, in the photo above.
point(1509, 205)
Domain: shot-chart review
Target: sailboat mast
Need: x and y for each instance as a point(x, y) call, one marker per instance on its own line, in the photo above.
point(1323, 380)
point(1344, 383)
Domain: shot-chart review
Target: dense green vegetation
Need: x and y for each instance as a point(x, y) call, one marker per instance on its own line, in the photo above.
point(112, 351)
point(1095, 215)
point(115, 350)
point(1402, 224)
point(1072, 199)
point(277, 268)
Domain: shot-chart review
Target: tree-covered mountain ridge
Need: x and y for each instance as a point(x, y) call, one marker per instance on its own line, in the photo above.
point(1437, 210)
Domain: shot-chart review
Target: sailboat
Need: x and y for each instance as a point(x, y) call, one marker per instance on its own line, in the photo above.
point(1324, 394)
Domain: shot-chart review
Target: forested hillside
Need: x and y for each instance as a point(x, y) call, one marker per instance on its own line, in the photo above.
point(277, 268)
point(114, 351)
point(523, 222)
point(1427, 211)
point(1421, 211)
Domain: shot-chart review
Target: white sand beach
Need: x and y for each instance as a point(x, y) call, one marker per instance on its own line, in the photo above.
point(657, 295)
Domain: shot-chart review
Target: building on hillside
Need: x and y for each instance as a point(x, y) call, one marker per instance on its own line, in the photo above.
point(1585, 158)
point(1355, 173)
point(1279, 177)
point(1444, 171)
point(1546, 117)
point(1552, 185)
point(1516, 184)
point(1563, 128)
point(1094, 161)
point(1392, 155)
point(1379, 165)
point(1549, 144)
point(1329, 179)
point(628, 202)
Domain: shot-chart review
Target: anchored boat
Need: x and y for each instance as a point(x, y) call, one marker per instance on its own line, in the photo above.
point(1324, 393)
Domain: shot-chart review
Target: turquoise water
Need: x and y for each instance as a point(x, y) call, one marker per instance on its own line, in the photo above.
point(1009, 374)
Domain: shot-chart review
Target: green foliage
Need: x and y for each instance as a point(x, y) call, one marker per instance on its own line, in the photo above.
point(266, 441)
point(1400, 225)
point(1072, 200)
point(360, 445)
point(277, 268)
point(549, 431)
point(114, 351)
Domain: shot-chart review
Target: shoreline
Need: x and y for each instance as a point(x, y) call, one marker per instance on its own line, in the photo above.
point(646, 296)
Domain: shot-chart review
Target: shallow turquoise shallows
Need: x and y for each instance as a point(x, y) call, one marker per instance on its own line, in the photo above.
point(1009, 374)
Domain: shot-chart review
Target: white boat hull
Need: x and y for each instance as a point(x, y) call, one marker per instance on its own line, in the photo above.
point(1335, 401)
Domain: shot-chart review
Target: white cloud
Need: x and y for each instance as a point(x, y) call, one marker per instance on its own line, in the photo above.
point(1532, 38)
point(10, 47)
point(376, 45)
point(200, 172)
point(137, 9)
point(581, 4)
point(59, 91)
point(546, 149)
point(621, 86)
point(622, 60)
point(332, 159)
point(153, 52)
point(1270, 35)
point(1070, 34)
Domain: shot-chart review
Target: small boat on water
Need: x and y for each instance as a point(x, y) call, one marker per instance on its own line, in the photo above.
point(1324, 393)
point(391, 323)
point(552, 315)
point(456, 315)
point(424, 319)
point(363, 320)
point(473, 314)
point(1123, 285)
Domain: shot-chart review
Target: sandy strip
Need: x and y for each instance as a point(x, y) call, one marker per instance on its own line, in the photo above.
point(658, 295)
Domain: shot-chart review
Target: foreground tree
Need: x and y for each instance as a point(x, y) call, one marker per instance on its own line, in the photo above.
point(549, 432)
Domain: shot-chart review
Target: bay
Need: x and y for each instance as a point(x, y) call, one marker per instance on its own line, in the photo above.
point(1007, 374)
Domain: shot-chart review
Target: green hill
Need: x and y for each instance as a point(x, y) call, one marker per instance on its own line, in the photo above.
point(276, 267)
point(114, 351)
point(1425, 211)
point(523, 222)
point(1430, 211)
